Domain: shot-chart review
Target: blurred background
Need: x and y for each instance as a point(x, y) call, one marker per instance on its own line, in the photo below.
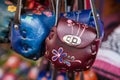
point(106, 66)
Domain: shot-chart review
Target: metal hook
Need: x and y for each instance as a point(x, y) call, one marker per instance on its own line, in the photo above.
point(71, 75)
point(52, 2)
point(58, 3)
point(95, 16)
point(18, 12)
point(54, 74)
point(65, 1)
point(81, 75)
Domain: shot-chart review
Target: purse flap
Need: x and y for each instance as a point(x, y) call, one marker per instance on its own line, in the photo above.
point(75, 34)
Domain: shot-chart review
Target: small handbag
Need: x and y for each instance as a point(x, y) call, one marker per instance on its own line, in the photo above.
point(28, 32)
point(73, 45)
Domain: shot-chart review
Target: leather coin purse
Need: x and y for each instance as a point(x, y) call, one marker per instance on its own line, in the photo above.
point(28, 32)
point(73, 42)
point(72, 46)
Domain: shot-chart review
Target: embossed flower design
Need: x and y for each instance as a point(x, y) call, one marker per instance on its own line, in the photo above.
point(58, 55)
point(12, 8)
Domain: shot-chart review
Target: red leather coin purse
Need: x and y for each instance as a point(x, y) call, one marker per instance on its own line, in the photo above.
point(72, 46)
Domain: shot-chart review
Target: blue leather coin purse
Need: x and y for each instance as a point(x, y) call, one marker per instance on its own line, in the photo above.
point(28, 32)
